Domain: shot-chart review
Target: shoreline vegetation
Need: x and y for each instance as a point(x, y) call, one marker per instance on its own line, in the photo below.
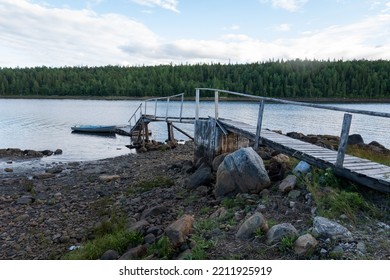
point(134, 207)
point(228, 99)
point(342, 80)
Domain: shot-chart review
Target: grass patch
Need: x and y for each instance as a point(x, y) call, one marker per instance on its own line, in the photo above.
point(234, 203)
point(334, 196)
point(118, 241)
point(162, 248)
point(287, 243)
point(369, 154)
point(147, 185)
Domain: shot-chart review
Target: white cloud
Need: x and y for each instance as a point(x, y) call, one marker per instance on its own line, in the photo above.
point(284, 27)
point(32, 34)
point(165, 4)
point(289, 5)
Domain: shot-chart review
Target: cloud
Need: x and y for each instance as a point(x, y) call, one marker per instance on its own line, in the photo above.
point(165, 4)
point(289, 5)
point(284, 27)
point(32, 34)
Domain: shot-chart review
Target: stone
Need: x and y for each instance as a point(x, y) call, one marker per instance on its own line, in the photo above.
point(25, 199)
point(201, 177)
point(219, 213)
point(47, 152)
point(281, 158)
point(138, 226)
point(134, 253)
point(154, 211)
point(149, 238)
point(355, 139)
point(288, 183)
point(44, 176)
point(276, 171)
point(305, 245)
point(302, 168)
point(22, 218)
point(261, 208)
point(8, 169)
point(277, 232)
point(248, 228)
point(55, 170)
point(294, 194)
point(241, 172)
point(325, 228)
point(58, 152)
point(217, 161)
point(179, 230)
point(110, 255)
point(109, 178)
point(361, 247)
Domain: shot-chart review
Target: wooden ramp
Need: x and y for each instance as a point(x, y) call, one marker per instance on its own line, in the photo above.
point(362, 171)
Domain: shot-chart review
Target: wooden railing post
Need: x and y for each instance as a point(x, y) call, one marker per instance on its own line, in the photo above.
point(166, 113)
point(216, 95)
point(181, 106)
point(259, 123)
point(343, 140)
point(155, 109)
point(197, 104)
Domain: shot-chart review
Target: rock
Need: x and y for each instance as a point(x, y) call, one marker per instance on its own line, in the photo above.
point(202, 176)
point(139, 226)
point(361, 247)
point(288, 183)
point(249, 227)
point(337, 252)
point(22, 218)
point(32, 153)
point(178, 231)
point(134, 253)
point(25, 199)
point(219, 213)
point(281, 158)
point(188, 167)
point(276, 171)
point(108, 178)
point(55, 170)
point(47, 152)
point(241, 172)
point(277, 232)
point(301, 168)
point(322, 227)
point(44, 176)
point(264, 193)
point(305, 245)
point(294, 194)
point(355, 139)
point(110, 255)
point(154, 211)
point(149, 238)
point(261, 208)
point(217, 161)
point(7, 169)
point(58, 152)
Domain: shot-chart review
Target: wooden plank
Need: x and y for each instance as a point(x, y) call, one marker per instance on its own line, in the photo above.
point(343, 139)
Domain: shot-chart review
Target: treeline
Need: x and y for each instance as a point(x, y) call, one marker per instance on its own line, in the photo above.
point(289, 79)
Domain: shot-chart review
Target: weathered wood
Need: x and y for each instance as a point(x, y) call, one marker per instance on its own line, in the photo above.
point(259, 124)
point(197, 95)
point(216, 102)
point(171, 136)
point(343, 139)
point(182, 131)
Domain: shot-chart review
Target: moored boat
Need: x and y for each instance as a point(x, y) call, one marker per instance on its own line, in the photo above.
point(94, 128)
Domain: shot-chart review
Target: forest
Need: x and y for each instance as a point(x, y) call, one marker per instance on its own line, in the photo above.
point(357, 79)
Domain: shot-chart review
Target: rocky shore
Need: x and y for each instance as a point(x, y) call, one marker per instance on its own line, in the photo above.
point(44, 215)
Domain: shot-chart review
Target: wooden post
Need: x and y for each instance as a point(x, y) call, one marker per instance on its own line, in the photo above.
point(166, 112)
point(155, 109)
point(181, 106)
point(170, 132)
point(343, 140)
point(146, 131)
point(259, 123)
point(197, 104)
point(216, 104)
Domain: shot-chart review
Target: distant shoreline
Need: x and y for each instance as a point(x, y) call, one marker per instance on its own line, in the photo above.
point(130, 98)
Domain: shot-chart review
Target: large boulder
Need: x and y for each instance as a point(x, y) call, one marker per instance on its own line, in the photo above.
point(253, 223)
point(201, 177)
point(325, 228)
point(241, 172)
point(179, 230)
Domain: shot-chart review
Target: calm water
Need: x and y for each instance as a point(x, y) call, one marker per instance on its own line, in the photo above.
point(45, 124)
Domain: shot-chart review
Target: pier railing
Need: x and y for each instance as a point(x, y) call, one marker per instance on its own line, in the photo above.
point(166, 101)
point(346, 124)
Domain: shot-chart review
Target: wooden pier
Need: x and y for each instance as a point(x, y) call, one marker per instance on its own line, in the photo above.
point(215, 135)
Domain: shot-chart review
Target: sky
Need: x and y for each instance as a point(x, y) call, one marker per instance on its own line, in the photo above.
point(58, 33)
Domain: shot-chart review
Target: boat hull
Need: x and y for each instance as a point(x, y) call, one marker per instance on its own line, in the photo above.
point(94, 129)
